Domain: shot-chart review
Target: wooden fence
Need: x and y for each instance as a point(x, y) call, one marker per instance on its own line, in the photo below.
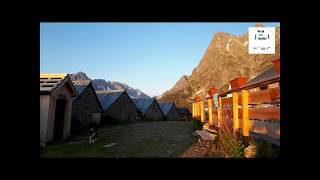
point(253, 109)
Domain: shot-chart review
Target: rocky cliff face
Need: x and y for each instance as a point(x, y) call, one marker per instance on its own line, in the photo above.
point(101, 84)
point(225, 59)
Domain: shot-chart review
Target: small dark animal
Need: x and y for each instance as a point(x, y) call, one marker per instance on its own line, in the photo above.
point(93, 133)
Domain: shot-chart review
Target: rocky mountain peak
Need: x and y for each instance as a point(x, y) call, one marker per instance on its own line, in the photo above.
point(79, 76)
point(225, 59)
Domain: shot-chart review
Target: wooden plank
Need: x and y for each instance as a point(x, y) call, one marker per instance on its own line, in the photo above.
point(263, 113)
point(264, 96)
point(205, 135)
point(226, 110)
point(266, 128)
point(263, 137)
point(227, 101)
point(271, 80)
point(271, 129)
point(258, 97)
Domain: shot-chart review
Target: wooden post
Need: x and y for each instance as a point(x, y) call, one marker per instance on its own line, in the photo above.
point(220, 112)
point(202, 112)
point(197, 110)
point(210, 112)
point(194, 107)
point(193, 110)
point(245, 115)
point(235, 111)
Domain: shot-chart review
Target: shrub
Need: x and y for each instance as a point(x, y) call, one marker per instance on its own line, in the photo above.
point(266, 149)
point(197, 125)
point(227, 144)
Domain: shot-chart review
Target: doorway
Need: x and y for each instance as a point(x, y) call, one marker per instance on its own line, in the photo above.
point(59, 119)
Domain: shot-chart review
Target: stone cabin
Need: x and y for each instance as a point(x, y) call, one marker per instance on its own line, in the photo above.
point(56, 92)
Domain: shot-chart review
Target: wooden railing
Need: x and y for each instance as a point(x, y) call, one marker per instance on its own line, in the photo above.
point(253, 111)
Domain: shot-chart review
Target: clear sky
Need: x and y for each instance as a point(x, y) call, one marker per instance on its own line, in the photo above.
point(147, 56)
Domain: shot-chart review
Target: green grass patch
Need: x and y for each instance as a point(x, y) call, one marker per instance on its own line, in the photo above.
point(139, 139)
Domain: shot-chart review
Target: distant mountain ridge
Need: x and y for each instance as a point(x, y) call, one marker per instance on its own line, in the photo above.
point(102, 84)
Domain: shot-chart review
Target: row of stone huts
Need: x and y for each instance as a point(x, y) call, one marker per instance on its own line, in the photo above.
point(65, 103)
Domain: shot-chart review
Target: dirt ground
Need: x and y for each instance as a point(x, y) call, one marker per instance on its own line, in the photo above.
point(198, 150)
point(140, 139)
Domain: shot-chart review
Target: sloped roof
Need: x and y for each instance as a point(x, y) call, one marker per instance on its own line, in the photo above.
point(165, 107)
point(108, 98)
point(184, 111)
point(143, 104)
point(269, 72)
point(80, 85)
point(49, 82)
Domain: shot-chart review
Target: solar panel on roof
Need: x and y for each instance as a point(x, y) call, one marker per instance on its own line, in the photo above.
point(49, 83)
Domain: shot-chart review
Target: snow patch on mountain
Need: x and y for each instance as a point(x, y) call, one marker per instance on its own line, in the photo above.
point(102, 84)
